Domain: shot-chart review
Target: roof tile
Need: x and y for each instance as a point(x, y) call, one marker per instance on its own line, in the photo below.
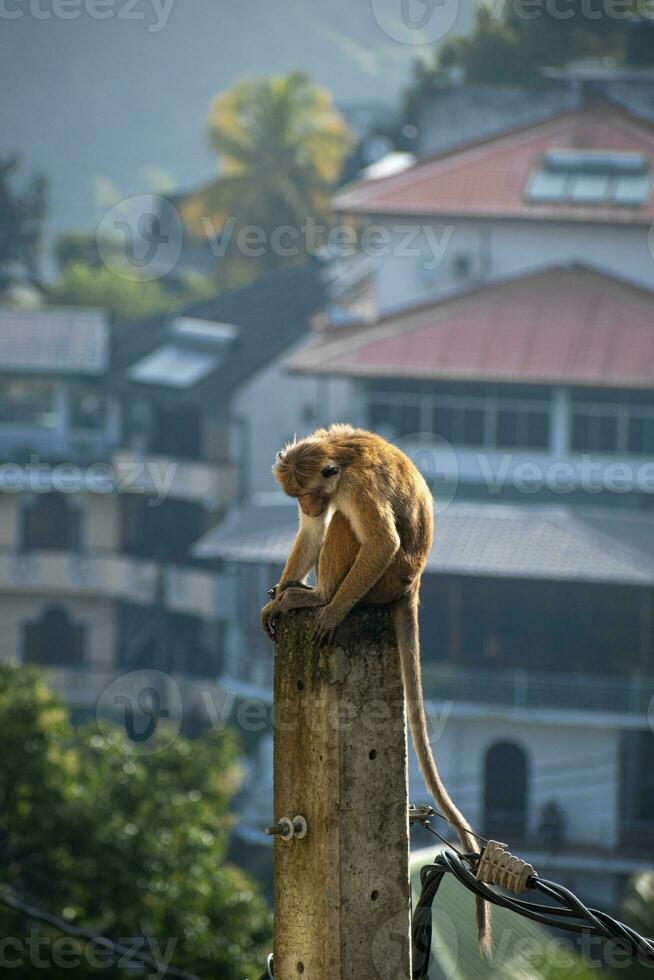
point(559, 325)
point(488, 179)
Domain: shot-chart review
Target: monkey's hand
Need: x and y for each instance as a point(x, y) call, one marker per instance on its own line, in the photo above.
point(326, 621)
point(269, 615)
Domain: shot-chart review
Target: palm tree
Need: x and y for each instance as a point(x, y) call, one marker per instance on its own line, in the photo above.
point(282, 146)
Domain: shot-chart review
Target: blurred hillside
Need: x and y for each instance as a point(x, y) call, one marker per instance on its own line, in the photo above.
point(138, 122)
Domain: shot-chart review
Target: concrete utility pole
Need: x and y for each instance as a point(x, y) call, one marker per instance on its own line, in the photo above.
point(342, 899)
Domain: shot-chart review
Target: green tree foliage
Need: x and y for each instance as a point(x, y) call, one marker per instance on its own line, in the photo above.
point(282, 146)
point(130, 846)
point(510, 42)
point(72, 247)
point(21, 219)
point(124, 298)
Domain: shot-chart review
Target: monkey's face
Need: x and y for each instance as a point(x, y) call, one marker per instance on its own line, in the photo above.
point(313, 504)
point(314, 501)
point(312, 479)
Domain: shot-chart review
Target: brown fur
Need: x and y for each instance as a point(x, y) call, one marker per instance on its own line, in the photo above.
point(374, 549)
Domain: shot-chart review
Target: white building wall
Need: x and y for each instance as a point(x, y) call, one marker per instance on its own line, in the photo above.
point(101, 529)
point(422, 259)
point(273, 407)
point(577, 765)
point(9, 510)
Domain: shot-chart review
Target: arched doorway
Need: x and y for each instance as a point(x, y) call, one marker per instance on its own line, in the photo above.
point(506, 779)
point(53, 639)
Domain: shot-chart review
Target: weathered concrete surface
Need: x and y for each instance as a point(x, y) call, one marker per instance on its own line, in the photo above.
point(342, 901)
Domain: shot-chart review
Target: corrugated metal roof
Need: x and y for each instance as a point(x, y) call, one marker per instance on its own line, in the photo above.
point(591, 545)
point(560, 325)
point(53, 341)
point(489, 178)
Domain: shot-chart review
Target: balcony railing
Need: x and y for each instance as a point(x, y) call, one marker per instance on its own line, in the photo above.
point(212, 484)
point(83, 686)
point(109, 575)
point(544, 690)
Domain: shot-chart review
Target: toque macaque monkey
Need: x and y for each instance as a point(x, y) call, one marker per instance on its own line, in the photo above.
point(366, 525)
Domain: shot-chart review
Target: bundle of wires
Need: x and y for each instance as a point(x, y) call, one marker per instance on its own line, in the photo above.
point(568, 912)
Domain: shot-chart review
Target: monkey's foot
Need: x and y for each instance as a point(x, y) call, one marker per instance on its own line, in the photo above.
point(324, 630)
point(269, 614)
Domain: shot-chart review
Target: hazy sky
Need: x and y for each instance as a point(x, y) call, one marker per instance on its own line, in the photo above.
point(118, 105)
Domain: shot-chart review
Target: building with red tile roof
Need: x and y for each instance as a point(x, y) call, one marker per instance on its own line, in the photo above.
point(563, 325)
point(491, 178)
point(574, 187)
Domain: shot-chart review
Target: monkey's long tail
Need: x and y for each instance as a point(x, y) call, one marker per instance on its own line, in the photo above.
point(405, 615)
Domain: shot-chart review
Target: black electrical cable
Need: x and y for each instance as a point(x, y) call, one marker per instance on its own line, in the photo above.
point(457, 826)
point(114, 948)
point(268, 975)
point(570, 914)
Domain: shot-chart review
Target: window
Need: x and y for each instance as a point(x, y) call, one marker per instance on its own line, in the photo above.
point(25, 401)
point(487, 419)
point(505, 792)
point(88, 408)
point(640, 437)
point(637, 794)
point(615, 425)
point(462, 266)
point(50, 522)
point(54, 640)
point(591, 177)
point(522, 426)
point(173, 366)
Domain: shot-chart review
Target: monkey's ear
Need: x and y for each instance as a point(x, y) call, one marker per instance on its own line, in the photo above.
point(280, 455)
point(329, 471)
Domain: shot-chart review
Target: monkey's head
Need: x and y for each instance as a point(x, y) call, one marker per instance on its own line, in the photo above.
point(306, 470)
